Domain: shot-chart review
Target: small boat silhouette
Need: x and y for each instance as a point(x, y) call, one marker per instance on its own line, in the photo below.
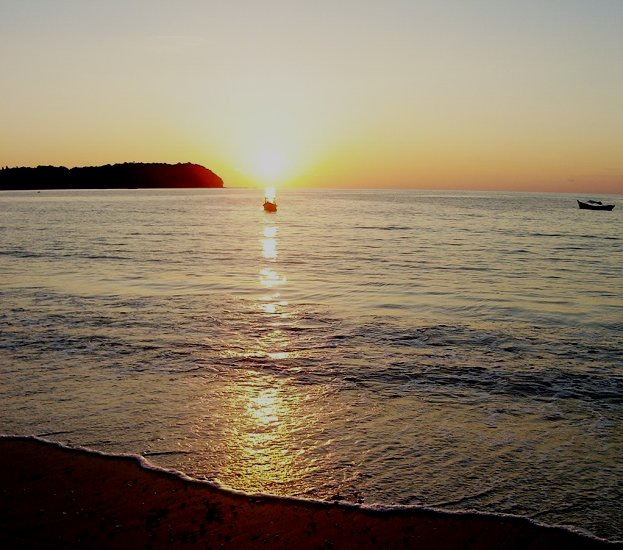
point(594, 205)
point(270, 206)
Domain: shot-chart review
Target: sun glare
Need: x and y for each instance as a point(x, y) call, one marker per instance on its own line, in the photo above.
point(269, 193)
point(269, 167)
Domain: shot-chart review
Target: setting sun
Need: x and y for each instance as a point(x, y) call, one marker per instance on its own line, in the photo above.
point(269, 167)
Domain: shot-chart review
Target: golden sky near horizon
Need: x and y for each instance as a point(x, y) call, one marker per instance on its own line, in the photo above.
point(471, 94)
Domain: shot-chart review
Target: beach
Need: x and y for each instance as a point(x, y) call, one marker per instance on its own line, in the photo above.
point(55, 497)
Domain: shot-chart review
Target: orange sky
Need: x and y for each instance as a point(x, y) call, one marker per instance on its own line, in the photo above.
point(517, 95)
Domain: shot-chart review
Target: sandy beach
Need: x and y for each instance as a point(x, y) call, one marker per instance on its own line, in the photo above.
point(52, 497)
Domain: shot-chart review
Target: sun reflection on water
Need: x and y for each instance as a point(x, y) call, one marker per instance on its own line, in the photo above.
point(270, 232)
point(269, 249)
point(261, 456)
point(264, 409)
point(270, 426)
point(269, 277)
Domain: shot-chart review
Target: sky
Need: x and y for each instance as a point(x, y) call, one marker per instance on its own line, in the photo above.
point(522, 95)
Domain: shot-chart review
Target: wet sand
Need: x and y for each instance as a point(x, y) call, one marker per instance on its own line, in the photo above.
point(52, 497)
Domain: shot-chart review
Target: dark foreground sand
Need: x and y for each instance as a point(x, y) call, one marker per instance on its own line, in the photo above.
point(52, 497)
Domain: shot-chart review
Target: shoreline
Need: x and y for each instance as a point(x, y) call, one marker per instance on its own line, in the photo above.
point(54, 496)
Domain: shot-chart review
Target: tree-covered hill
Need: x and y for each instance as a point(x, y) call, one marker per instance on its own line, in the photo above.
point(110, 176)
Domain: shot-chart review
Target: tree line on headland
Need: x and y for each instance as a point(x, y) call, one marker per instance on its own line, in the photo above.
point(128, 175)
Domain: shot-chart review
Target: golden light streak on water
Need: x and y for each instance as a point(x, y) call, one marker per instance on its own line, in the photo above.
point(263, 407)
point(262, 454)
point(269, 308)
point(269, 249)
point(269, 278)
point(275, 344)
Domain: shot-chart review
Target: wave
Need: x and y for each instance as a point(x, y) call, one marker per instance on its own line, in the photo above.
point(442, 358)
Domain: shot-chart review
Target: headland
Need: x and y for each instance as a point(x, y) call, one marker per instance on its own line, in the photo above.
point(130, 175)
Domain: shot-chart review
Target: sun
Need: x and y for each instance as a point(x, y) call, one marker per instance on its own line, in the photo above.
point(269, 167)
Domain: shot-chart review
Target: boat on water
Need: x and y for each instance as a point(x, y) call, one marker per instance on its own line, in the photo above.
point(594, 205)
point(270, 206)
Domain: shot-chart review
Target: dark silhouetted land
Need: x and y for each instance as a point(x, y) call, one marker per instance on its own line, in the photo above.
point(52, 497)
point(111, 176)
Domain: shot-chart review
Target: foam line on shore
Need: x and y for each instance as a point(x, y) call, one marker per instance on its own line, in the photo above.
point(412, 518)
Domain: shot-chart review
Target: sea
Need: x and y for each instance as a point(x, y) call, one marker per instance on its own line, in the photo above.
point(449, 350)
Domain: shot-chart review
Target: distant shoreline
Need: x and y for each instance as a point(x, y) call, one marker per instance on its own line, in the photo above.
point(110, 176)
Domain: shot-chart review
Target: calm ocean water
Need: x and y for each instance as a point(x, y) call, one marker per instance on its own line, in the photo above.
point(446, 349)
